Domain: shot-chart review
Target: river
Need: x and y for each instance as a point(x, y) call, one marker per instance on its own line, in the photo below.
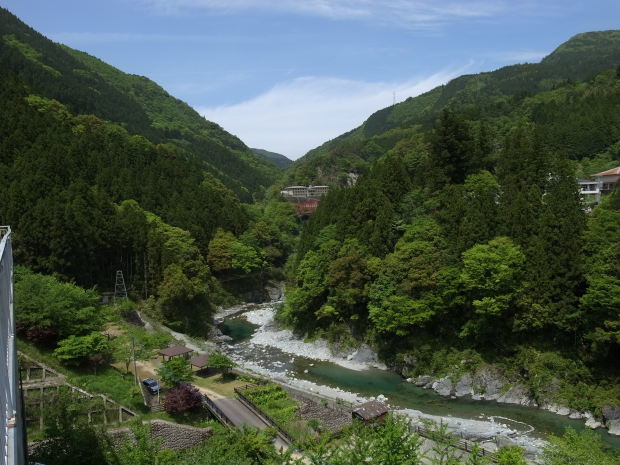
point(259, 346)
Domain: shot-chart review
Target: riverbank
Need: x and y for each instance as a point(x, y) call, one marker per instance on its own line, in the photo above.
point(282, 357)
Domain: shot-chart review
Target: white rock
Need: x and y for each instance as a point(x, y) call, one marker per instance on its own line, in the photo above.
point(614, 427)
point(592, 423)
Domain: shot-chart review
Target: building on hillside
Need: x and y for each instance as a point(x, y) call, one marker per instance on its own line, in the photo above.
point(306, 197)
point(301, 193)
point(307, 207)
point(598, 185)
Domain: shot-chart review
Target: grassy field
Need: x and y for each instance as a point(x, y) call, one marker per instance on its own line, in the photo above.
point(223, 385)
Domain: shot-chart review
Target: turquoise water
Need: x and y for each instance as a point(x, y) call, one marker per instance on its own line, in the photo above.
point(373, 382)
point(237, 328)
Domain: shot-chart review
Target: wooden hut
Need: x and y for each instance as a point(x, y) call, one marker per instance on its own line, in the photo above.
point(174, 351)
point(370, 412)
point(199, 361)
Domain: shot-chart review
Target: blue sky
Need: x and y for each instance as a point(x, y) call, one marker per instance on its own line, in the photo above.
point(287, 75)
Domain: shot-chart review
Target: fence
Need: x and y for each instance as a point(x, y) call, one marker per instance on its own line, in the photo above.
point(459, 441)
point(217, 412)
point(287, 438)
point(40, 379)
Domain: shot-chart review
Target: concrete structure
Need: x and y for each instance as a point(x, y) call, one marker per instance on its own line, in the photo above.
point(300, 193)
point(11, 420)
point(599, 184)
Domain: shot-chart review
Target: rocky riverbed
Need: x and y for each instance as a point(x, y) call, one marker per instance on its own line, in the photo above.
point(487, 383)
point(277, 354)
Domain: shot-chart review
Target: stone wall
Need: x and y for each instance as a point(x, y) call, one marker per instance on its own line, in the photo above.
point(174, 436)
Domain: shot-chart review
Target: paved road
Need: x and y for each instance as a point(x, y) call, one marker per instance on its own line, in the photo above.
point(240, 415)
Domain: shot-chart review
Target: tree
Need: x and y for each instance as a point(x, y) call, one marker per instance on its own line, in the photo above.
point(48, 310)
point(78, 349)
point(390, 443)
point(182, 398)
point(601, 302)
point(221, 361)
point(491, 278)
point(176, 371)
point(406, 294)
point(584, 448)
point(68, 436)
point(510, 455)
point(452, 147)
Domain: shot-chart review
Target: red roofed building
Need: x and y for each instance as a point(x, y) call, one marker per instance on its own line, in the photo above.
point(600, 184)
point(307, 207)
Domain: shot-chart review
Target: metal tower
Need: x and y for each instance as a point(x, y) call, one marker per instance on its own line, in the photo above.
point(120, 291)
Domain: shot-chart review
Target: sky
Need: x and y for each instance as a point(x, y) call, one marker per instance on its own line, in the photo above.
point(288, 75)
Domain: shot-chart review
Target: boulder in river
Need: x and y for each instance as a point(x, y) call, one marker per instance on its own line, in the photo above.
point(443, 386)
point(464, 387)
point(614, 427)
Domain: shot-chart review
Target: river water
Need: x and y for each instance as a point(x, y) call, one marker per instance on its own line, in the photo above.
point(258, 345)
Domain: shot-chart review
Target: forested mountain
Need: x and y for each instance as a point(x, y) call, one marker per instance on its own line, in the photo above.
point(465, 242)
point(86, 85)
point(522, 92)
point(279, 159)
point(103, 171)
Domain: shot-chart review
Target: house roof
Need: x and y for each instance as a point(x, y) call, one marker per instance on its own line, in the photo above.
point(174, 351)
point(370, 410)
point(611, 172)
point(200, 360)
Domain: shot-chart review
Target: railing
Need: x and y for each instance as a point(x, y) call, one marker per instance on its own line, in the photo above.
point(11, 415)
point(459, 441)
point(217, 412)
point(287, 438)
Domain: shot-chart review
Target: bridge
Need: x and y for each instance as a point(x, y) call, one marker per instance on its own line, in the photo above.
point(235, 413)
point(12, 435)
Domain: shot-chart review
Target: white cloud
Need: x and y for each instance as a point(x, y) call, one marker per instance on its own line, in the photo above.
point(296, 116)
point(411, 13)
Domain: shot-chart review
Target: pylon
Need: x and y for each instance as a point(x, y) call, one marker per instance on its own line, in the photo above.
point(120, 291)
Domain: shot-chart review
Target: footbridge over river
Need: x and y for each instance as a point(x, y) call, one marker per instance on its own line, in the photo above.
point(238, 413)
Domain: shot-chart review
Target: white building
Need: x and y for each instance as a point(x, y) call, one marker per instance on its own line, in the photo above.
point(600, 184)
point(300, 193)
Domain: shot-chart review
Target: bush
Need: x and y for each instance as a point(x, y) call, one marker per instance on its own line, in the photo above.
point(182, 398)
point(176, 371)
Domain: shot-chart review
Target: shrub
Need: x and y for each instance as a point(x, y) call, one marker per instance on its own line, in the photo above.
point(182, 398)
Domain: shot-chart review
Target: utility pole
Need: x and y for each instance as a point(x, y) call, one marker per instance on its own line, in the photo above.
point(133, 355)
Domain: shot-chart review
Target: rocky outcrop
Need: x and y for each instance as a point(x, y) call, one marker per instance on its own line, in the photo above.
point(518, 394)
point(464, 386)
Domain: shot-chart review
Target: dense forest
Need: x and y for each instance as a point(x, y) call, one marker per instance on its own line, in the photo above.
point(103, 171)
point(550, 94)
point(465, 240)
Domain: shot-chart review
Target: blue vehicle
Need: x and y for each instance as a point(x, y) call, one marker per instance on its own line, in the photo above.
point(151, 385)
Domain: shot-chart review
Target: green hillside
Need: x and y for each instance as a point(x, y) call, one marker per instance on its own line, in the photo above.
point(498, 98)
point(86, 85)
point(464, 243)
point(277, 158)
